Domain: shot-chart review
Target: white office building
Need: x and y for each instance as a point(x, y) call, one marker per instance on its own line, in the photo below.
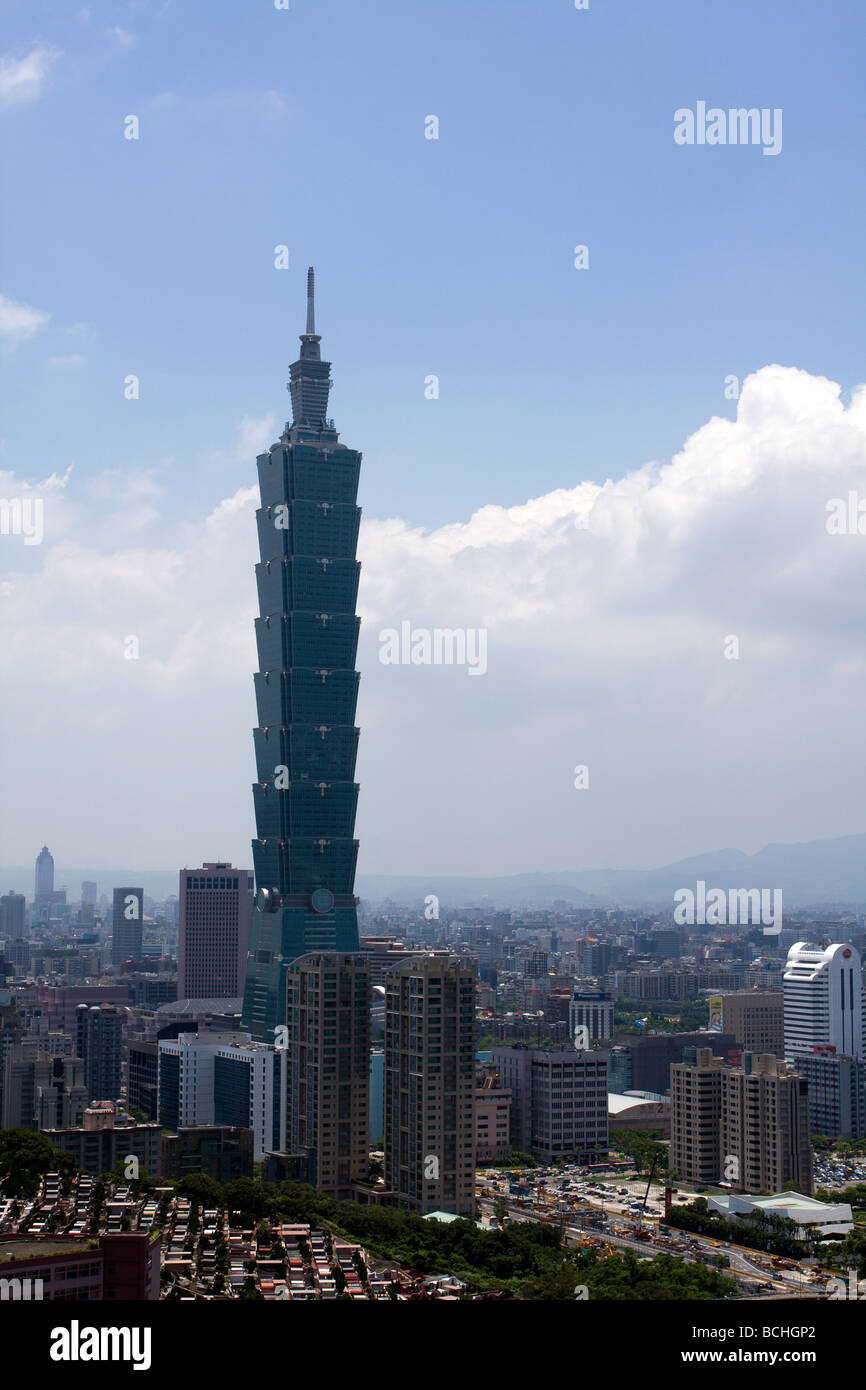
point(823, 999)
point(591, 1009)
point(224, 1079)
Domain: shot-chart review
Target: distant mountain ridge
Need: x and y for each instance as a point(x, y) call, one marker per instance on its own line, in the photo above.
point(828, 873)
point(815, 873)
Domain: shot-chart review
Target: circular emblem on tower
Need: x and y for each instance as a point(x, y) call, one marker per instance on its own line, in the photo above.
point(322, 900)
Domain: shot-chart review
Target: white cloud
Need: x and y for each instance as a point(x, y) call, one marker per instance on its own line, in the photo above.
point(19, 321)
point(123, 37)
point(254, 434)
point(67, 360)
point(22, 80)
point(607, 606)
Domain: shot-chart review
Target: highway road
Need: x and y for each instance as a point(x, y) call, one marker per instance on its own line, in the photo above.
point(785, 1283)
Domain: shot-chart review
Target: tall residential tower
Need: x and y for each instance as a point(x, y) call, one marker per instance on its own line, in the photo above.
point(306, 687)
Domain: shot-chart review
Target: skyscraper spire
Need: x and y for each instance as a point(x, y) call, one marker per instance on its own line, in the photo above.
point(309, 376)
point(311, 302)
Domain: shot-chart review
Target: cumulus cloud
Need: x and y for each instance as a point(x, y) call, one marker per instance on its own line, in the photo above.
point(19, 321)
point(609, 608)
point(253, 436)
point(22, 80)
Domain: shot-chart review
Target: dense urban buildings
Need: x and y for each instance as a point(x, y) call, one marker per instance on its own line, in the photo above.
point(216, 907)
point(306, 693)
point(328, 1053)
point(430, 1084)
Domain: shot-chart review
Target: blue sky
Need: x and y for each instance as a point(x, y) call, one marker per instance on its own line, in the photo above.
point(449, 257)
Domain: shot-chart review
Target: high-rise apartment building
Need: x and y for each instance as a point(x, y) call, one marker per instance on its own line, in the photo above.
point(328, 1050)
point(756, 1019)
point(99, 1044)
point(765, 1126)
point(430, 1084)
point(747, 1126)
point(696, 1116)
point(216, 908)
point(823, 999)
point(558, 1101)
point(126, 927)
point(306, 742)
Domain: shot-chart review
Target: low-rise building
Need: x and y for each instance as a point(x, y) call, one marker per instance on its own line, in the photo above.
point(107, 1268)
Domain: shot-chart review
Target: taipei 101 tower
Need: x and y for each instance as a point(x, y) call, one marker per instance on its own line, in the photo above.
point(306, 686)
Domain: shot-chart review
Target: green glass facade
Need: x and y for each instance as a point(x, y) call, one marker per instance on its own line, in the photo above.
point(306, 687)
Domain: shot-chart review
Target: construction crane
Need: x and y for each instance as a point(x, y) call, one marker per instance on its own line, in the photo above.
point(638, 1223)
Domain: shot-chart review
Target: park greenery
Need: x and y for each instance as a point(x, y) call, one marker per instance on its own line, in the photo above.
point(665, 1016)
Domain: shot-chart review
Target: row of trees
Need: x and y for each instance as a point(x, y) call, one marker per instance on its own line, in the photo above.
point(759, 1231)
